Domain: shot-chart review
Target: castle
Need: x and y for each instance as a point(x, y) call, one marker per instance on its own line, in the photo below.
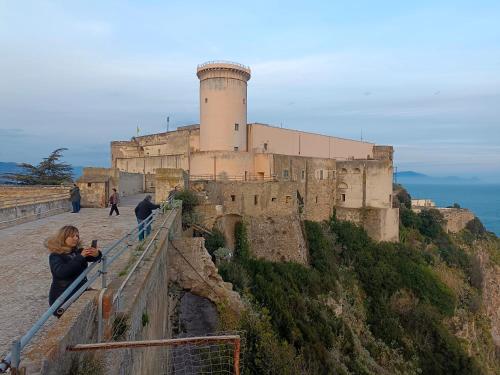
point(256, 170)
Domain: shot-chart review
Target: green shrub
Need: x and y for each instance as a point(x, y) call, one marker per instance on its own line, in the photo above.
point(189, 200)
point(431, 223)
point(476, 227)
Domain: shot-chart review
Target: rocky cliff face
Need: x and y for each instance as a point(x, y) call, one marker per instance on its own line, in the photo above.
point(191, 267)
point(491, 292)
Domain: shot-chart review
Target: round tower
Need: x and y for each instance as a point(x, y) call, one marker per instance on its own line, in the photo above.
point(223, 106)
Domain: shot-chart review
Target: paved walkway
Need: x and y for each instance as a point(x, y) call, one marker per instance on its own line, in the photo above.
point(24, 272)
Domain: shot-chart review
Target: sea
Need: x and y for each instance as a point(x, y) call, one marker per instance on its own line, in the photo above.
point(482, 199)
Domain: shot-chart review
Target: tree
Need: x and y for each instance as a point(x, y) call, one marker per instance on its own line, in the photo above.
point(48, 172)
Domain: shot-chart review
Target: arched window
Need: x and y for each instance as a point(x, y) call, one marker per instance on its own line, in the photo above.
point(343, 185)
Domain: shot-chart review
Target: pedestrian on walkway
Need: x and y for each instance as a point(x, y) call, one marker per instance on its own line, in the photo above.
point(67, 260)
point(113, 201)
point(142, 211)
point(75, 198)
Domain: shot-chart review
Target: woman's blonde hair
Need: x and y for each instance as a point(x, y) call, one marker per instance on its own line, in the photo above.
point(57, 243)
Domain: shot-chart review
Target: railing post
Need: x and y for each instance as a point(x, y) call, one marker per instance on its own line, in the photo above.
point(104, 267)
point(15, 357)
point(100, 315)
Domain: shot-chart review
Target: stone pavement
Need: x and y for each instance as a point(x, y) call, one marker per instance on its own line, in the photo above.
point(24, 272)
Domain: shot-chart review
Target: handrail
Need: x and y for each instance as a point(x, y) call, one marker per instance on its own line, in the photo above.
point(12, 359)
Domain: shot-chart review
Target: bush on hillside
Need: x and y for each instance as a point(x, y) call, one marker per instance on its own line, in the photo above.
point(476, 227)
point(431, 223)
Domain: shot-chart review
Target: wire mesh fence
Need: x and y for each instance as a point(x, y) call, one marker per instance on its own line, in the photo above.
point(218, 354)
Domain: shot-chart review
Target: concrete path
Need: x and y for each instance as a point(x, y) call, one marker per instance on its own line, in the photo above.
point(24, 272)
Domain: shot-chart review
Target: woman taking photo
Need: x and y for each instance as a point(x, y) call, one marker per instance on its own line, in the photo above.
point(68, 260)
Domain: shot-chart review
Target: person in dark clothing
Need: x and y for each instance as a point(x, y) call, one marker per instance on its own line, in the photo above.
point(67, 261)
point(142, 211)
point(113, 201)
point(75, 198)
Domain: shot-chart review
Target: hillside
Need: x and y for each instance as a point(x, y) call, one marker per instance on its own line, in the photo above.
point(427, 305)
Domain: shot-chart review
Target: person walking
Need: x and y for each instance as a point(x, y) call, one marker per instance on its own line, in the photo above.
point(113, 201)
point(67, 260)
point(75, 198)
point(142, 211)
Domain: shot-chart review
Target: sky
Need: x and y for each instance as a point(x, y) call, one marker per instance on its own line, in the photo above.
point(423, 76)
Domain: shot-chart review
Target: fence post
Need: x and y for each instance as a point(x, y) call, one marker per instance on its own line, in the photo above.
point(237, 357)
point(104, 267)
point(100, 315)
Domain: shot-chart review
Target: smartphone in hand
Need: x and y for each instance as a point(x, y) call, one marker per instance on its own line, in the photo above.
point(94, 244)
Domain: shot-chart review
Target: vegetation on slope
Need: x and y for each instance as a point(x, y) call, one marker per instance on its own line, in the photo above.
point(362, 307)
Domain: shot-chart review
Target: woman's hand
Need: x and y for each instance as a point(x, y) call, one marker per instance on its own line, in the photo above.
point(90, 252)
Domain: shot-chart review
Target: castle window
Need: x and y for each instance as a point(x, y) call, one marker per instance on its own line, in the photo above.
point(342, 197)
point(288, 199)
point(285, 173)
point(321, 174)
point(265, 146)
point(158, 151)
point(89, 184)
point(316, 199)
point(236, 127)
point(233, 198)
point(255, 199)
point(303, 175)
point(343, 170)
point(244, 101)
point(235, 148)
point(206, 100)
point(273, 199)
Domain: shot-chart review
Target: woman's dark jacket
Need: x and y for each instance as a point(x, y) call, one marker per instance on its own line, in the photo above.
point(65, 268)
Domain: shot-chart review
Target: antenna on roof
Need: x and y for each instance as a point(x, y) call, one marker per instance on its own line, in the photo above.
point(168, 122)
point(361, 134)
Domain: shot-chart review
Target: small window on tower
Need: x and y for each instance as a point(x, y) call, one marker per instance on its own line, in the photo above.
point(235, 148)
point(233, 198)
point(89, 184)
point(285, 173)
point(265, 146)
point(342, 197)
point(206, 100)
point(255, 199)
point(244, 101)
point(236, 127)
point(303, 175)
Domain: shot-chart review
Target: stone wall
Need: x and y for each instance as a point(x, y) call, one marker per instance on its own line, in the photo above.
point(145, 295)
point(166, 179)
point(456, 218)
point(314, 179)
point(278, 239)
point(364, 183)
point(381, 224)
point(20, 204)
point(96, 185)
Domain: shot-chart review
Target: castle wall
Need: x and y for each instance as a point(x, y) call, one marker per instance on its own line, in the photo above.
point(265, 138)
point(166, 180)
point(456, 218)
point(96, 185)
point(381, 224)
point(278, 239)
point(223, 164)
point(315, 181)
point(364, 183)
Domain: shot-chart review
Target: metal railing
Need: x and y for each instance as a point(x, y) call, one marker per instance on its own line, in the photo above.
point(92, 272)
